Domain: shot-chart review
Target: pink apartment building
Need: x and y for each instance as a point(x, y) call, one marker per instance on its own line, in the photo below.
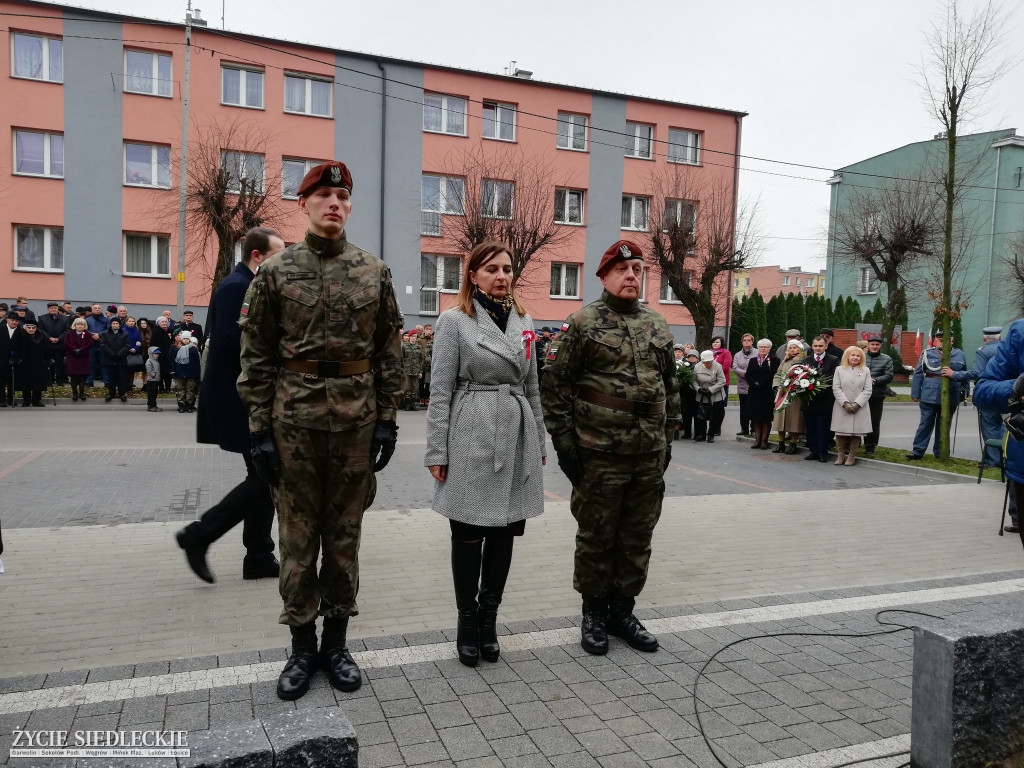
point(90, 189)
point(770, 281)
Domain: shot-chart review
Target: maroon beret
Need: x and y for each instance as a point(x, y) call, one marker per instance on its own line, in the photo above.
point(624, 250)
point(332, 174)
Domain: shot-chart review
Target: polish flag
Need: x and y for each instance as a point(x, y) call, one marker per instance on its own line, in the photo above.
point(917, 343)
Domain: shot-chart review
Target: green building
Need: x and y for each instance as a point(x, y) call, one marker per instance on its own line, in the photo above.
point(991, 213)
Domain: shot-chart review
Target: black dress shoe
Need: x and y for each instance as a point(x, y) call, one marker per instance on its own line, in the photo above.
point(301, 666)
point(823, 459)
point(699, 439)
point(341, 668)
point(711, 438)
point(261, 569)
point(779, 448)
point(811, 457)
point(1011, 529)
point(195, 554)
point(914, 457)
point(741, 433)
point(791, 449)
point(124, 399)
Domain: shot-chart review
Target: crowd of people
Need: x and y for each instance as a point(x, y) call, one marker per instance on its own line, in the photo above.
point(84, 345)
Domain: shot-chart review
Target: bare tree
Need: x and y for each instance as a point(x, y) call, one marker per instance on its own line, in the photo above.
point(697, 236)
point(1014, 262)
point(230, 190)
point(891, 230)
point(506, 194)
point(964, 57)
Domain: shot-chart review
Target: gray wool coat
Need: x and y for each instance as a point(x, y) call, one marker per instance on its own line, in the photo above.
point(485, 421)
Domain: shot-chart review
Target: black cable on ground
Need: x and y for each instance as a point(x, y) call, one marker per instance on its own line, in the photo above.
point(716, 654)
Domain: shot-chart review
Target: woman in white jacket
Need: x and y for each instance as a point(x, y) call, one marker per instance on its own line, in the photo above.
point(851, 419)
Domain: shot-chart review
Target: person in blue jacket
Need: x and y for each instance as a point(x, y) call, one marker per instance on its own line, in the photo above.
point(1000, 388)
point(991, 421)
point(926, 390)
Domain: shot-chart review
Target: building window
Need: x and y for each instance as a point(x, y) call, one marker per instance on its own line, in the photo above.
point(785, 279)
point(568, 206)
point(304, 95)
point(746, 282)
point(440, 195)
point(810, 282)
point(37, 58)
point(736, 283)
point(683, 146)
point(682, 214)
point(643, 285)
point(668, 296)
point(797, 282)
point(638, 140)
point(244, 170)
point(565, 281)
point(241, 87)
point(572, 131)
point(147, 165)
point(438, 274)
point(634, 212)
point(147, 255)
point(499, 121)
point(444, 114)
point(496, 199)
point(39, 249)
point(292, 173)
point(148, 73)
point(867, 283)
point(39, 154)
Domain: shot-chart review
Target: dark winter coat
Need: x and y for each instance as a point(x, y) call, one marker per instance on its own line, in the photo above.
point(77, 348)
point(31, 360)
point(760, 387)
point(115, 347)
point(190, 370)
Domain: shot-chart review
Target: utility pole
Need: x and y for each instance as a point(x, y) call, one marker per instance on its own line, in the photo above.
point(183, 176)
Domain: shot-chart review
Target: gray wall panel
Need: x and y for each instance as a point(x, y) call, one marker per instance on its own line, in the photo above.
point(604, 213)
point(92, 151)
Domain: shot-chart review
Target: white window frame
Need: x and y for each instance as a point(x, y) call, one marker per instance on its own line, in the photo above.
point(867, 282)
point(562, 268)
point(634, 140)
point(430, 302)
point(797, 282)
point(489, 203)
point(155, 79)
point(448, 204)
point(785, 279)
point(445, 111)
point(568, 121)
point(634, 200)
point(154, 246)
point(47, 39)
point(666, 295)
point(47, 249)
point(232, 190)
point(47, 155)
point(499, 110)
point(307, 166)
point(154, 165)
point(675, 207)
point(244, 73)
point(684, 146)
point(308, 98)
point(643, 285)
point(562, 216)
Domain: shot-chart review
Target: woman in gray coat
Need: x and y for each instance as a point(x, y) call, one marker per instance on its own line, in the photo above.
point(851, 419)
point(485, 440)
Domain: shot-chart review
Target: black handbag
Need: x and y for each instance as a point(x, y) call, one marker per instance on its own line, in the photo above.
point(704, 412)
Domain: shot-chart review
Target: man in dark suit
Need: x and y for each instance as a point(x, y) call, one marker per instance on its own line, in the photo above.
point(194, 328)
point(224, 421)
point(9, 332)
point(54, 327)
point(818, 409)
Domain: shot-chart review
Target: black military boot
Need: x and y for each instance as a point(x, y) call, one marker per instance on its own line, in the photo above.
point(341, 668)
point(623, 624)
point(497, 560)
point(466, 575)
point(593, 634)
point(294, 680)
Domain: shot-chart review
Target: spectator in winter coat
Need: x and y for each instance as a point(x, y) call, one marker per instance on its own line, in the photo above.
point(187, 371)
point(32, 370)
point(739, 364)
point(161, 337)
point(78, 346)
point(152, 379)
point(115, 344)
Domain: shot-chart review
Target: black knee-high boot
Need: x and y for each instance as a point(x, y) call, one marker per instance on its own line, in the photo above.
point(466, 575)
point(497, 560)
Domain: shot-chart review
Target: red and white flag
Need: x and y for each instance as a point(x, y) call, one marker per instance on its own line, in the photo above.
point(917, 343)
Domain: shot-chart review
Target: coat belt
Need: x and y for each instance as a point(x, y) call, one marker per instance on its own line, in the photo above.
point(637, 407)
point(327, 369)
point(505, 439)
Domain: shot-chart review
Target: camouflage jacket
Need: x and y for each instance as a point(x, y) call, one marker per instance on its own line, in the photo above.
point(615, 347)
point(427, 345)
point(412, 359)
point(320, 300)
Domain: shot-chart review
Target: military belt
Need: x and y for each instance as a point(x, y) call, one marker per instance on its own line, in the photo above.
point(636, 407)
point(327, 369)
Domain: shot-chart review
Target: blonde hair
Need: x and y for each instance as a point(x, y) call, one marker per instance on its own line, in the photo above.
point(846, 357)
point(77, 320)
point(478, 258)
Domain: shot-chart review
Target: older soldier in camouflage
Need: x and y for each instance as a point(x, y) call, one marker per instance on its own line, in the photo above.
point(412, 369)
point(611, 403)
point(321, 380)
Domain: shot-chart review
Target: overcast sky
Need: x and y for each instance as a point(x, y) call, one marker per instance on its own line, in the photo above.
point(825, 83)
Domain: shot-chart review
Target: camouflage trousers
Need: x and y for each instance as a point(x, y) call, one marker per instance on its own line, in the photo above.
point(185, 390)
point(327, 483)
point(616, 508)
point(410, 385)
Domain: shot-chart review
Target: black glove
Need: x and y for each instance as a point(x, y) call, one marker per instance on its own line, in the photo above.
point(1018, 387)
point(571, 466)
point(668, 458)
point(385, 437)
point(265, 458)
point(704, 391)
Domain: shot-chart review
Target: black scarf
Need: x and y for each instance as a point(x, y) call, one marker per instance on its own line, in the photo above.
point(498, 309)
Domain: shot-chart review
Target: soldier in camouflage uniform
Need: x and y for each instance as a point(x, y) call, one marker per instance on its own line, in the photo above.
point(611, 403)
point(412, 370)
point(427, 345)
point(321, 380)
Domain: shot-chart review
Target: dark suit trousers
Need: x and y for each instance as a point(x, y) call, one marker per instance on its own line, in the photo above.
point(817, 424)
point(249, 503)
point(875, 404)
